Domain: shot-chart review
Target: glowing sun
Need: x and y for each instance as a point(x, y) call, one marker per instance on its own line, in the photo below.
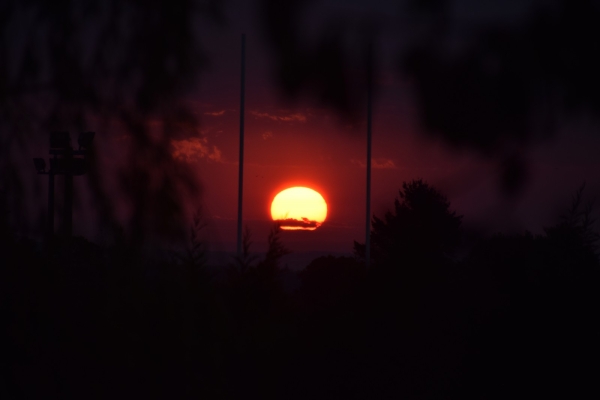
point(299, 208)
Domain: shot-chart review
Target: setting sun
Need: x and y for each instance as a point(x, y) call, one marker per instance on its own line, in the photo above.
point(299, 208)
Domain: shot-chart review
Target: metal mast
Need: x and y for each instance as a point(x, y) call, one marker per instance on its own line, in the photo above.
point(241, 161)
point(369, 118)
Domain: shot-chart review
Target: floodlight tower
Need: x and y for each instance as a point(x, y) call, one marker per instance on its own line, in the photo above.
point(68, 162)
point(40, 166)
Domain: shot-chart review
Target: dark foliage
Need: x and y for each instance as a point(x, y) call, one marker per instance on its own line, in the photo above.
point(123, 68)
point(276, 249)
point(328, 282)
point(516, 315)
point(493, 87)
point(246, 260)
point(421, 230)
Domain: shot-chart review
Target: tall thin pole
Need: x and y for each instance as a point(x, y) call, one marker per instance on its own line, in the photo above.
point(369, 117)
point(241, 162)
point(68, 220)
point(51, 203)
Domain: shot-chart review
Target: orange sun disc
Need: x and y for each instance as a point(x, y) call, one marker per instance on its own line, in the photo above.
point(299, 208)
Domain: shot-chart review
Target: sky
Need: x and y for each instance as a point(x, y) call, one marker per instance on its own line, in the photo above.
point(303, 140)
point(291, 142)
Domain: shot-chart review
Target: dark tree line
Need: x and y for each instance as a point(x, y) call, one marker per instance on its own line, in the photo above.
point(515, 314)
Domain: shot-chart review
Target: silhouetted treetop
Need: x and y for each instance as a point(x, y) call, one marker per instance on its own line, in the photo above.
point(573, 242)
point(276, 249)
point(421, 226)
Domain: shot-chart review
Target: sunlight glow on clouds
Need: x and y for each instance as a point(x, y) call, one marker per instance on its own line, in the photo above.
point(377, 163)
point(267, 135)
point(296, 117)
point(195, 149)
point(215, 113)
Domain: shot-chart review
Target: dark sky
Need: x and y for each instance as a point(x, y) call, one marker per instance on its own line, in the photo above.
point(303, 140)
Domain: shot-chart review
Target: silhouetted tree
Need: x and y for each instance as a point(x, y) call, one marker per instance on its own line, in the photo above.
point(258, 311)
point(246, 260)
point(420, 229)
point(194, 255)
point(577, 226)
point(276, 249)
point(412, 295)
